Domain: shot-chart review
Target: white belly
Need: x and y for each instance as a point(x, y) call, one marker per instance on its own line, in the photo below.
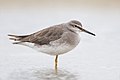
point(55, 47)
point(54, 50)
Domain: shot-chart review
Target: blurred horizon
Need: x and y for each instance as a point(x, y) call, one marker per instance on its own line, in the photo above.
point(59, 3)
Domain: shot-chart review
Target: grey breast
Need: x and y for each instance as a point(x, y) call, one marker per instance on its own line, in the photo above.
point(71, 38)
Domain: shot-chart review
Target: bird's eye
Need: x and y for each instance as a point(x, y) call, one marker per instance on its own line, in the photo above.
point(75, 25)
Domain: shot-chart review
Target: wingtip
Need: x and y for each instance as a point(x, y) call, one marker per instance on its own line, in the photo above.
point(17, 42)
point(11, 35)
point(8, 35)
point(13, 39)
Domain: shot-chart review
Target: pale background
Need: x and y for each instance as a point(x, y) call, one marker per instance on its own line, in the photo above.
point(95, 58)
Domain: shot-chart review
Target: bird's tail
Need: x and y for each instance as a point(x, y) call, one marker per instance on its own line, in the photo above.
point(17, 39)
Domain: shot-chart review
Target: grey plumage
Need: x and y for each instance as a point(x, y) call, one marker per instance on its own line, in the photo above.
point(55, 40)
point(52, 33)
point(41, 37)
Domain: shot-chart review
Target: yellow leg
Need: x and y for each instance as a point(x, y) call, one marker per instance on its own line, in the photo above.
point(56, 61)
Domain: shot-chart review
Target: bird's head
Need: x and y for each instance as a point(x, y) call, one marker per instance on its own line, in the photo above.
point(76, 26)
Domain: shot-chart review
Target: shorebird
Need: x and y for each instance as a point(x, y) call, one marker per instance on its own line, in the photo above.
point(54, 40)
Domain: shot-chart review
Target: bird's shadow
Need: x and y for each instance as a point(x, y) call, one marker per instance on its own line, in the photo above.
point(42, 74)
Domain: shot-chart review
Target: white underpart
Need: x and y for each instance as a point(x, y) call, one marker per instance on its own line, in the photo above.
point(50, 49)
point(54, 48)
